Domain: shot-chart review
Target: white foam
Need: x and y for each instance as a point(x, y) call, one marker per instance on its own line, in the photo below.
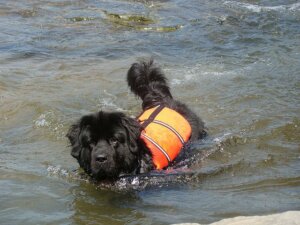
point(218, 140)
point(57, 171)
point(135, 181)
point(109, 102)
point(42, 121)
point(176, 81)
point(128, 183)
point(50, 121)
point(258, 9)
point(200, 71)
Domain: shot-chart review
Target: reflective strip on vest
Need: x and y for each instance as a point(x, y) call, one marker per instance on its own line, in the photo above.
point(165, 135)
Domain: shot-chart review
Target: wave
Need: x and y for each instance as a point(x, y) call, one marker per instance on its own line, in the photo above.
point(185, 172)
point(257, 8)
point(199, 72)
point(108, 102)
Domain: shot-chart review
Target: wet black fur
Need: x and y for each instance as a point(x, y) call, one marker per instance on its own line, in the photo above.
point(108, 145)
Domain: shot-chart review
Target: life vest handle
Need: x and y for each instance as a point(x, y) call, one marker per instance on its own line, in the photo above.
point(152, 116)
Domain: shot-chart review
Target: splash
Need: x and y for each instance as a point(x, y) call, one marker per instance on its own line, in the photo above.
point(258, 9)
point(71, 175)
point(58, 171)
point(41, 121)
point(108, 102)
point(187, 170)
point(50, 121)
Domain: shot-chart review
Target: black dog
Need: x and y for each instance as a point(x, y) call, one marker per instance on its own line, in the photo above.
point(108, 145)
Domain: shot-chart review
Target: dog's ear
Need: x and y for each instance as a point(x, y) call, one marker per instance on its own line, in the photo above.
point(132, 128)
point(73, 136)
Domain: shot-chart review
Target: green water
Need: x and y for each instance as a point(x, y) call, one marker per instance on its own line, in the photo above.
point(236, 63)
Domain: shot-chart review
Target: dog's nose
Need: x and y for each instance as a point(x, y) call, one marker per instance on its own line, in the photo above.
point(101, 158)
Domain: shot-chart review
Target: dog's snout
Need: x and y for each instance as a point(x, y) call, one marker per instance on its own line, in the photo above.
point(101, 158)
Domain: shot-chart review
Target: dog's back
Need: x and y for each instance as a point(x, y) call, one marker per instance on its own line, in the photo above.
point(149, 83)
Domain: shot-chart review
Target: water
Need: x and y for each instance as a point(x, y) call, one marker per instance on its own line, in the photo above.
point(236, 63)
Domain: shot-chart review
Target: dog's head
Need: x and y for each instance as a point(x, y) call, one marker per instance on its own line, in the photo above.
point(106, 144)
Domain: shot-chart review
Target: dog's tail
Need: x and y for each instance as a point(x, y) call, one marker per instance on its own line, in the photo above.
point(148, 82)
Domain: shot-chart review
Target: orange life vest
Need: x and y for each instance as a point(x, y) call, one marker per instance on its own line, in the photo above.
point(164, 132)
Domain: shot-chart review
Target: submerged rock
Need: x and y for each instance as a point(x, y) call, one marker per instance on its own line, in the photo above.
point(139, 22)
point(163, 29)
point(81, 18)
point(129, 19)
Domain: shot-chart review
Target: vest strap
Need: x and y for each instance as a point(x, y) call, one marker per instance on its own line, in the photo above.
point(152, 116)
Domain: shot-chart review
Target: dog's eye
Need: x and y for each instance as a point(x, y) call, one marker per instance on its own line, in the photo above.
point(114, 142)
point(86, 141)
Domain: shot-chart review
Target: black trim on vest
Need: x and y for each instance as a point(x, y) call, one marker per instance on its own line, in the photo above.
point(158, 147)
point(152, 116)
point(170, 128)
